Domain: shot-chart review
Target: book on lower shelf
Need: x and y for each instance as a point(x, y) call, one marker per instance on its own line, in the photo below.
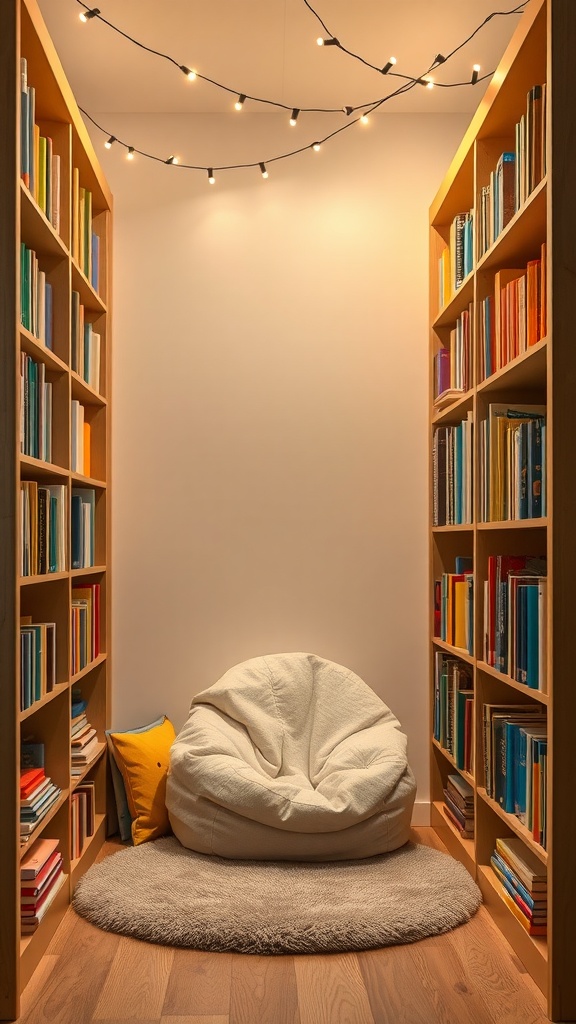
point(83, 527)
point(513, 462)
point(513, 319)
point(453, 708)
point(453, 364)
point(35, 409)
point(43, 530)
point(41, 877)
point(459, 805)
point(85, 625)
point(515, 763)
point(84, 742)
point(452, 474)
point(515, 618)
point(36, 301)
point(454, 606)
point(37, 660)
point(38, 793)
point(523, 884)
point(83, 816)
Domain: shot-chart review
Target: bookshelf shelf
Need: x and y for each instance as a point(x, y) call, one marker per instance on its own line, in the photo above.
point(457, 408)
point(446, 753)
point(77, 779)
point(515, 825)
point(88, 855)
point(461, 848)
point(46, 256)
point(458, 528)
point(520, 295)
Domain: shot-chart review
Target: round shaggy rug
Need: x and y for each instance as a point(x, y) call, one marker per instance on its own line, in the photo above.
point(163, 893)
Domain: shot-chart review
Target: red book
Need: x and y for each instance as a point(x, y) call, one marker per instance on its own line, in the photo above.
point(43, 874)
point(30, 779)
point(35, 859)
point(31, 909)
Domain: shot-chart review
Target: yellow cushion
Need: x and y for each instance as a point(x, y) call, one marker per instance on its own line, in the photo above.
point(143, 759)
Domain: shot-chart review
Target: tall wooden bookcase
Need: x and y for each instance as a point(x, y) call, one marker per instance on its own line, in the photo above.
point(542, 50)
point(47, 598)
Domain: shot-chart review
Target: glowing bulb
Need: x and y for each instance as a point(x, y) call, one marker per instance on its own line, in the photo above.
point(240, 101)
point(87, 15)
point(130, 153)
point(263, 170)
point(320, 41)
point(347, 111)
point(429, 83)
point(388, 67)
point(316, 147)
point(211, 177)
point(364, 119)
point(190, 74)
point(475, 73)
point(172, 160)
point(108, 144)
point(294, 117)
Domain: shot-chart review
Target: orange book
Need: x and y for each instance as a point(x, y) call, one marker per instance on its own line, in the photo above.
point(86, 449)
point(501, 279)
point(534, 302)
point(543, 292)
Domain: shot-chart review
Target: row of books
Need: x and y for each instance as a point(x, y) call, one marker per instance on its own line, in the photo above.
point(515, 616)
point(524, 884)
point(513, 462)
point(37, 660)
point(454, 606)
point(453, 365)
point(514, 319)
point(86, 343)
point(38, 793)
point(39, 165)
point(83, 527)
point(43, 525)
point(85, 242)
point(457, 258)
point(83, 739)
point(452, 474)
point(459, 805)
point(41, 876)
point(82, 816)
point(80, 437)
point(35, 409)
point(530, 136)
point(515, 762)
point(453, 709)
point(85, 626)
point(497, 202)
point(36, 304)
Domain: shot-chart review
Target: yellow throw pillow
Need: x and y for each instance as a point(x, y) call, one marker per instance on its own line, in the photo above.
point(143, 759)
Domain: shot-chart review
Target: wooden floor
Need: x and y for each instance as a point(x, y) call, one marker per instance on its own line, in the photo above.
point(469, 976)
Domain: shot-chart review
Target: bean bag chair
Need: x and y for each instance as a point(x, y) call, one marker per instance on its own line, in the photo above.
point(290, 757)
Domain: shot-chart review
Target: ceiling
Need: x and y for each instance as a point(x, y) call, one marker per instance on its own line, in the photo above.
point(267, 48)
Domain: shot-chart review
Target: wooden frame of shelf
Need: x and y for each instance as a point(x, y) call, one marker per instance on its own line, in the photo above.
point(47, 598)
point(541, 50)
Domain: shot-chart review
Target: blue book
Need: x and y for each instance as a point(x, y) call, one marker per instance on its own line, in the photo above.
point(31, 755)
point(520, 774)
point(511, 731)
point(463, 564)
point(501, 866)
point(532, 636)
point(461, 697)
point(76, 528)
point(523, 471)
point(499, 755)
point(535, 469)
point(49, 314)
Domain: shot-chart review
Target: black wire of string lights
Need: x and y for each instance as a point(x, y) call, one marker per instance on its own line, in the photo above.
point(409, 82)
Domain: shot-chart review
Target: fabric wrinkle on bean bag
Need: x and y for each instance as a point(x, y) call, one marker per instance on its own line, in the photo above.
point(290, 757)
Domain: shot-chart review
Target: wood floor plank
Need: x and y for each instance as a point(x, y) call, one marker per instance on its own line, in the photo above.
point(264, 990)
point(199, 984)
point(35, 988)
point(331, 988)
point(203, 1019)
point(136, 984)
point(74, 985)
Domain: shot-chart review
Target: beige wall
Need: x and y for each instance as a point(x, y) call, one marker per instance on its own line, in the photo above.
point(270, 395)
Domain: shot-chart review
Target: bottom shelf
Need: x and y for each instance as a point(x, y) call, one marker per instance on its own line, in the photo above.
point(462, 849)
point(33, 947)
point(532, 950)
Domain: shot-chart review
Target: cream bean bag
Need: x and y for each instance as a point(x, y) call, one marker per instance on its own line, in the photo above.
point(290, 757)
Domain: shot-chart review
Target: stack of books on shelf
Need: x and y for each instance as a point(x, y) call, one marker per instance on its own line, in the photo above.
point(514, 319)
point(40, 879)
point(86, 343)
point(457, 259)
point(43, 528)
point(83, 526)
point(84, 741)
point(454, 606)
point(39, 165)
point(35, 410)
point(453, 708)
point(37, 791)
point(459, 805)
point(85, 242)
point(452, 474)
point(82, 806)
point(513, 462)
point(515, 763)
point(85, 625)
point(37, 660)
point(453, 365)
point(80, 430)
point(515, 618)
point(524, 884)
point(516, 174)
point(36, 308)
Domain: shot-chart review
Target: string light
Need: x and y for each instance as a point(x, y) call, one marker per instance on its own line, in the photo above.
point(294, 117)
point(389, 65)
point(263, 170)
point(331, 41)
point(190, 74)
point(347, 111)
point(439, 59)
point(316, 147)
point(130, 153)
point(475, 73)
point(364, 119)
point(240, 101)
point(111, 140)
point(171, 160)
point(211, 177)
point(429, 83)
point(88, 14)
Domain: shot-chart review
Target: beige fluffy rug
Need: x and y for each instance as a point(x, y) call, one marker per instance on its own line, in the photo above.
point(163, 893)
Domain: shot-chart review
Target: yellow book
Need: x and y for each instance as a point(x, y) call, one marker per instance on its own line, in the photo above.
point(75, 212)
point(42, 173)
point(87, 236)
point(36, 160)
point(460, 614)
point(86, 470)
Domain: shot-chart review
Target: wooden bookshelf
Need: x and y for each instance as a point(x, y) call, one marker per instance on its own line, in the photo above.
point(541, 51)
point(48, 597)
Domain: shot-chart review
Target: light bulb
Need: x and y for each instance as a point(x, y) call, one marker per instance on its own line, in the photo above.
point(172, 160)
point(475, 73)
point(130, 153)
point(316, 147)
point(108, 144)
point(430, 83)
point(211, 177)
point(320, 41)
point(294, 117)
point(388, 67)
point(263, 170)
point(364, 119)
point(87, 15)
point(347, 111)
point(188, 72)
point(240, 101)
